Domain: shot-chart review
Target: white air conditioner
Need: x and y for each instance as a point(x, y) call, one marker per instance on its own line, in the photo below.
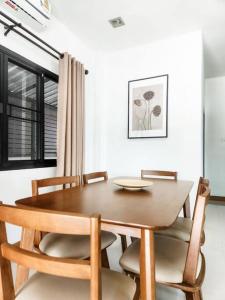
point(35, 13)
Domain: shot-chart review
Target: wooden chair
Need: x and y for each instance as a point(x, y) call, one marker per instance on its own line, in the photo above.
point(58, 278)
point(179, 264)
point(96, 176)
point(103, 176)
point(170, 175)
point(54, 181)
point(158, 174)
point(73, 246)
point(181, 229)
point(148, 174)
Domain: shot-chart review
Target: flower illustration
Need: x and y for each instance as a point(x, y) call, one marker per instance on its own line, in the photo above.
point(148, 95)
point(157, 110)
point(145, 109)
point(137, 102)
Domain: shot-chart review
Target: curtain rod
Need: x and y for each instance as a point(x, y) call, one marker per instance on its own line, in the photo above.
point(15, 24)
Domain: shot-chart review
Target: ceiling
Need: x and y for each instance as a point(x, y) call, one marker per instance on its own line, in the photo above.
point(147, 21)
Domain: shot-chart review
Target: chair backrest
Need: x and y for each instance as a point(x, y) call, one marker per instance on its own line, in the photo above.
point(94, 177)
point(158, 174)
point(202, 181)
point(191, 265)
point(66, 180)
point(50, 221)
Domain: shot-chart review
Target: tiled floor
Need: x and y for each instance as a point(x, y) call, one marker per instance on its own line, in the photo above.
point(214, 250)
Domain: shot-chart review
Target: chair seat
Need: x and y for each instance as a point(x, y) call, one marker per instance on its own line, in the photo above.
point(181, 229)
point(48, 287)
point(170, 256)
point(72, 246)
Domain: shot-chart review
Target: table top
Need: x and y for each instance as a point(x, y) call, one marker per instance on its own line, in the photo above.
point(155, 207)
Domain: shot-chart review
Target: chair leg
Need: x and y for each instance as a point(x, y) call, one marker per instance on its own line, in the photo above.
point(189, 296)
point(194, 296)
point(105, 260)
point(198, 295)
point(137, 293)
point(133, 239)
point(123, 242)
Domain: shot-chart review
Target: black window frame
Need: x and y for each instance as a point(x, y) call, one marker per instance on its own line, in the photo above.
point(5, 164)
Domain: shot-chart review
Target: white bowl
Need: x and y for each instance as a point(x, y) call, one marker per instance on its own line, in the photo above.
point(134, 184)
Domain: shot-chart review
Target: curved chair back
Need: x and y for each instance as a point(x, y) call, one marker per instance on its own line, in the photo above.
point(158, 174)
point(50, 221)
point(54, 181)
point(191, 266)
point(95, 177)
point(202, 181)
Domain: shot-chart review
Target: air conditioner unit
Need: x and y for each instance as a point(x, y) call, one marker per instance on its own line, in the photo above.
point(35, 13)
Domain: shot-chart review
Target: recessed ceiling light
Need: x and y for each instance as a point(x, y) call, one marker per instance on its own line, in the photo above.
point(117, 22)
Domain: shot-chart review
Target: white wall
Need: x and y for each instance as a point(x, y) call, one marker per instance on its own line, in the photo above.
point(182, 59)
point(215, 134)
point(107, 146)
point(17, 184)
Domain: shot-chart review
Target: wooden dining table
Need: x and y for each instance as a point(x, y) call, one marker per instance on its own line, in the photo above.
point(136, 213)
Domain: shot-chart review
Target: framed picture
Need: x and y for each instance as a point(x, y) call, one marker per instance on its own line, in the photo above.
point(148, 107)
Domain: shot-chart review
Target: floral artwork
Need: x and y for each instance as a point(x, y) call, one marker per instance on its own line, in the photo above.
point(147, 110)
point(148, 107)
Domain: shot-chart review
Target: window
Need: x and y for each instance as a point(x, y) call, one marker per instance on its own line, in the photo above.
point(28, 113)
point(50, 123)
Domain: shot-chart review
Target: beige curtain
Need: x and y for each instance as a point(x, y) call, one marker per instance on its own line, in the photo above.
point(70, 120)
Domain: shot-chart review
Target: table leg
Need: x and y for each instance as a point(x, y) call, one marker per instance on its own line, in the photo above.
point(147, 265)
point(186, 208)
point(27, 242)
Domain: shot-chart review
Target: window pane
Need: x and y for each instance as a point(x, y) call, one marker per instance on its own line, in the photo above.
point(50, 99)
point(22, 113)
point(22, 140)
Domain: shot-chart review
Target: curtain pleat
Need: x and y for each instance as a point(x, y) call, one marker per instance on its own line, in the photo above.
point(70, 120)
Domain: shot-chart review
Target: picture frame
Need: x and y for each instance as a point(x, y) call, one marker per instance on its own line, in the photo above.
point(148, 107)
